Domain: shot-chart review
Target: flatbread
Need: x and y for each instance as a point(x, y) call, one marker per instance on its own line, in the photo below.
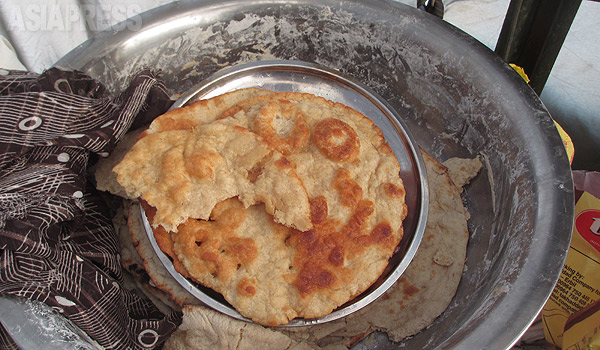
point(106, 179)
point(288, 205)
point(339, 154)
point(183, 167)
point(429, 283)
point(159, 276)
point(414, 296)
point(202, 111)
point(461, 170)
point(206, 329)
point(184, 174)
point(194, 162)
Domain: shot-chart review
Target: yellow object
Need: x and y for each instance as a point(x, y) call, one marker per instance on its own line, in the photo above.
point(566, 139)
point(521, 72)
point(579, 282)
point(563, 135)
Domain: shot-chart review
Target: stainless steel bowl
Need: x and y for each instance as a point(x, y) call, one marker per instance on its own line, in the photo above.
point(296, 76)
point(456, 96)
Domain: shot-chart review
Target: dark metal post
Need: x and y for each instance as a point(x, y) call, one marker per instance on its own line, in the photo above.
point(533, 34)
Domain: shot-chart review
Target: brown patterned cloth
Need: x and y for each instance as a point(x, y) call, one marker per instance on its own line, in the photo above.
point(6, 342)
point(57, 242)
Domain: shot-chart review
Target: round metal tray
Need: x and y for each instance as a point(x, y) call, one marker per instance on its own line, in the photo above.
point(457, 97)
point(297, 76)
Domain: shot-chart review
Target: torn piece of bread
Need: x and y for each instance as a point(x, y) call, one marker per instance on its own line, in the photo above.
point(183, 174)
point(206, 329)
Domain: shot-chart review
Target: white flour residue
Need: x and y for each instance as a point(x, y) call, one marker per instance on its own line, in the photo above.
point(53, 330)
point(450, 105)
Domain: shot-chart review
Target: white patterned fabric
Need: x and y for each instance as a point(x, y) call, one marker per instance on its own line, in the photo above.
point(57, 241)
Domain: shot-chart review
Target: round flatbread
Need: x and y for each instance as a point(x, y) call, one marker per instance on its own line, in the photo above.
point(287, 204)
point(429, 283)
point(414, 301)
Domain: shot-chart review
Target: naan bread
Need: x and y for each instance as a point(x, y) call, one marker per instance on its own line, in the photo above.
point(403, 300)
point(106, 179)
point(206, 329)
point(289, 205)
point(159, 276)
point(429, 283)
point(185, 173)
point(202, 111)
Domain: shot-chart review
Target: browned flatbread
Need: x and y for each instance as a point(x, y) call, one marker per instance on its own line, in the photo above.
point(304, 195)
point(202, 111)
point(429, 283)
point(402, 303)
point(442, 254)
point(184, 173)
point(215, 170)
point(339, 154)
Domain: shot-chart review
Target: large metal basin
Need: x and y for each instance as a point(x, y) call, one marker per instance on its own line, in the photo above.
point(457, 98)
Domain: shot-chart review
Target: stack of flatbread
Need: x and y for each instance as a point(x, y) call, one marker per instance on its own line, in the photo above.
point(287, 204)
point(409, 306)
point(422, 294)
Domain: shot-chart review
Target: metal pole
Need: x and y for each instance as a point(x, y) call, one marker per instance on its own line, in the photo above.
point(533, 34)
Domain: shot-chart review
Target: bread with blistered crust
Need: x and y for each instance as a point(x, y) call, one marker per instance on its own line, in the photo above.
point(202, 111)
point(429, 283)
point(338, 153)
point(184, 173)
point(258, 265)
point(254, 247)
point(352, 179)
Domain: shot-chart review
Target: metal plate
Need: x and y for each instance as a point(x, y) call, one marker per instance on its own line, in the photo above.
point(296, 76)
point(457, 98)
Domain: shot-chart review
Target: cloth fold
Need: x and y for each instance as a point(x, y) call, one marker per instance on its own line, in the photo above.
point(57, 241)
